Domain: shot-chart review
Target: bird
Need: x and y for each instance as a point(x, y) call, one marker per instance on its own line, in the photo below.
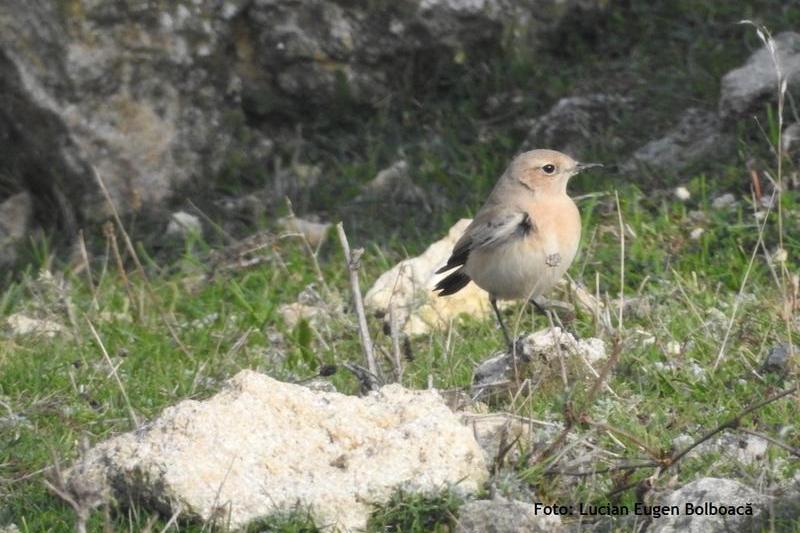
point(524, 238)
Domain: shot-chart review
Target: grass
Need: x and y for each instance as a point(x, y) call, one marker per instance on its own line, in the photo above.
point(60, 389)
point(682, 291)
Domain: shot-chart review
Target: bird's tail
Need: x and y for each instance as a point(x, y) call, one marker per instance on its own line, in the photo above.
point(452, 283)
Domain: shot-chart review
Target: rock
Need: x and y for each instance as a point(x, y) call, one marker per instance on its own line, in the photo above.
point(723, 201)
point(182, 224)
point(682, 193)
point(314, 232)
point(733, 449)
point(16, 213)
point(697, 136)
point(310, 306)
point(696, 233)
point(790, 141)
point(21, 325)
point(300, 56)
point(393, 186)
point(716, 491)
point(261, 447)
point(164, 97)
point(504, 516)
point(572, 123)
point(408, 289)
point(743, 88)
point(778, 358)
point(496, 430)
point(141, 93)
point(293, 313)
point(787, 506)
point(538, 355)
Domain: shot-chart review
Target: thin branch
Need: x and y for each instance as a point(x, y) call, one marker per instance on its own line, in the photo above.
point(621, 263)
point(610, 469)
point(396, 352)
point(791, 449)
point(353, 264)
point(731, 423)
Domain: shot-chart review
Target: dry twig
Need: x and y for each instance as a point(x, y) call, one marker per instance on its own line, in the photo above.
point(353, 263)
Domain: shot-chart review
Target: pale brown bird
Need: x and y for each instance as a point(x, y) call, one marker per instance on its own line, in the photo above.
point(525, 236)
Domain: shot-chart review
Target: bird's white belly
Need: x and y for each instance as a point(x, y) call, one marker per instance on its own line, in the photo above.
point(522, 269)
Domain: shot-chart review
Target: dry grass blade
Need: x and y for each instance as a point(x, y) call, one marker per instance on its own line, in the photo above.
point(131, 413)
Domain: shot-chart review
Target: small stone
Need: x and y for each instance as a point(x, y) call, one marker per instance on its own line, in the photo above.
point(696, 233)
point(724, 201)
point(682, 442)
point(22, 325)
point(293, 313)
point(394, 184)
point(673, 348)
point(682, 193)
point(182, 224)
point(504, 371)
point(780, 255)
point(777, 360)
point(498, 429)
point(713, 491)
point(314, 232)
point(504, 516)
point(790, 140)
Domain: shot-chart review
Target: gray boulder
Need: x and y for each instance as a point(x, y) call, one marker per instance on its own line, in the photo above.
point(702, 496)
point(500, 515)
point(745, 86)
point(159, 95)
point(16, 213)
point(696, 137)
point(142, 94)
point(573, 123)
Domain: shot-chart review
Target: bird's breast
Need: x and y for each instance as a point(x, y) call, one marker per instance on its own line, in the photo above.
point(532, 265)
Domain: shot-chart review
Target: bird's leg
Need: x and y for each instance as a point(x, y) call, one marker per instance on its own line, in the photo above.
point(514, 348)
point(552, 317)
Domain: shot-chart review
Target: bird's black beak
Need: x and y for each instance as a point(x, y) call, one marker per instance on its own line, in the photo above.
point(580, 167)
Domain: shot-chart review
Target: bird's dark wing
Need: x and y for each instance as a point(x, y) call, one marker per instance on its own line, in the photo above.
point(490, 228)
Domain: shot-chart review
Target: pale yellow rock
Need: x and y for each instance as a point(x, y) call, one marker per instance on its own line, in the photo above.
point(314, 232)
point(293, 313)
point(408, 288)
point(261, 446)
point(21, 325)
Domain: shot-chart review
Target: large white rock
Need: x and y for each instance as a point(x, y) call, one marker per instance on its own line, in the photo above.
point(408, 288)
point(261, 446)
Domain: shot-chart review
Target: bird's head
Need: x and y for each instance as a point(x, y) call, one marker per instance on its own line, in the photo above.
point(546, 170)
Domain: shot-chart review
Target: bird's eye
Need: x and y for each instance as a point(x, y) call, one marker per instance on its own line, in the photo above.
point(549, 169)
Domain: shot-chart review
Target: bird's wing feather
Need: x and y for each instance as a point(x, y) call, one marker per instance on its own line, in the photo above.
point(491, 227)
